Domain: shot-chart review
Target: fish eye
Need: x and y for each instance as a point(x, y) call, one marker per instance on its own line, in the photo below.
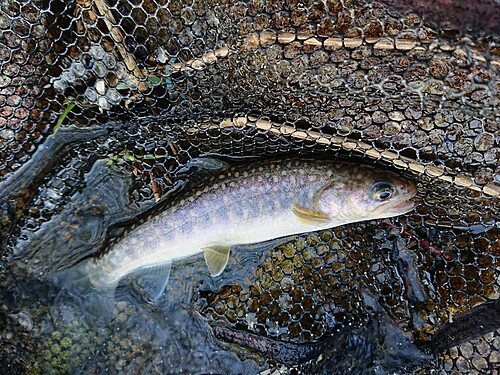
point(382, 191)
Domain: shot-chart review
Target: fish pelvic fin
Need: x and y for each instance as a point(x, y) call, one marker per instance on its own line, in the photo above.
point(309, 215)
point(216, 258)
point(151, 282)
point(96, 303)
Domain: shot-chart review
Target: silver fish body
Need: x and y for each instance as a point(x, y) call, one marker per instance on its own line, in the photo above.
point(252, 204)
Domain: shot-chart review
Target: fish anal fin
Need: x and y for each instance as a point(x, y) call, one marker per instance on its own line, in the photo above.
point(151, 282)
point(309, 215)
point(216, 258)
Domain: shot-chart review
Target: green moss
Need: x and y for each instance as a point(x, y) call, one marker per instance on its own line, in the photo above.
point(55, 349)
point(66, 342)
point(54, 362)
point(64, 356)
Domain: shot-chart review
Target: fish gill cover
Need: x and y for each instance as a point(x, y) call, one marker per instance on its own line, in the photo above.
point(104, 104)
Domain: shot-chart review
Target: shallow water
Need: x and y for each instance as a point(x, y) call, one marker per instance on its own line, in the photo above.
point(411, 85)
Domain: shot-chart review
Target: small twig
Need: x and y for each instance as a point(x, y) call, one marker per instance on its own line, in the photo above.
point(117, 36)
point(194, 64)
point(157, 189)
point(173, 148)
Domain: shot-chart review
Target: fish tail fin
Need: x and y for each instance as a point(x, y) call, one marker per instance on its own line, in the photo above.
point(96, 303)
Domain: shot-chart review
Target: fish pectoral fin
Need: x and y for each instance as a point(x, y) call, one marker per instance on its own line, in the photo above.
point(308, 215)
point(152, 281)
point(216, 258)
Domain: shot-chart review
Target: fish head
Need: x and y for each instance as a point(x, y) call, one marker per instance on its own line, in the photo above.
point(367, 193)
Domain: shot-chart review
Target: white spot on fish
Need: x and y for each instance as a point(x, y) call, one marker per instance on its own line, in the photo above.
point(260, 205)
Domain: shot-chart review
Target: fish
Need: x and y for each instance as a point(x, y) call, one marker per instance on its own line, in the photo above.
point(244, 205)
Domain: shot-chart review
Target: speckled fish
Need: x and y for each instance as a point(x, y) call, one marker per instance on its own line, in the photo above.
point(249, 205)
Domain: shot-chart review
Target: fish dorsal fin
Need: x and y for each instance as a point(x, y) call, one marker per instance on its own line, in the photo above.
point(209, 163)
point(198, 170)
point(216, 258)
point(152, 281)
point(309, 215)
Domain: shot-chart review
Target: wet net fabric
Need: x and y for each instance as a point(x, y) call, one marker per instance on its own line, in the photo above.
point(150, 85)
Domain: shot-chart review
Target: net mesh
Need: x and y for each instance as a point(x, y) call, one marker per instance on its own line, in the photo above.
point(149, 85)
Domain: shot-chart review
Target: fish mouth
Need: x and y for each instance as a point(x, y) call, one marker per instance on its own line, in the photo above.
point(403, 207)
point(397, 208)
point(408, 190)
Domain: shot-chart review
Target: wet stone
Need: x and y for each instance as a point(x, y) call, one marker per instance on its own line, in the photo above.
point(253, 305)
point(317, 263)
point(494, 358)
point(287, 267)
point(482, 347)
point(289, 251)
point(496, 342)
point(479, 363)
point(484, 141)
point(267, 266)
point(326, 235)
point(266, 281)
point(286, 284)
point(322, 249)
point(453, 352)
point(297, 295)
point(467, 350)
point(297, 261)
point(277, 257)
